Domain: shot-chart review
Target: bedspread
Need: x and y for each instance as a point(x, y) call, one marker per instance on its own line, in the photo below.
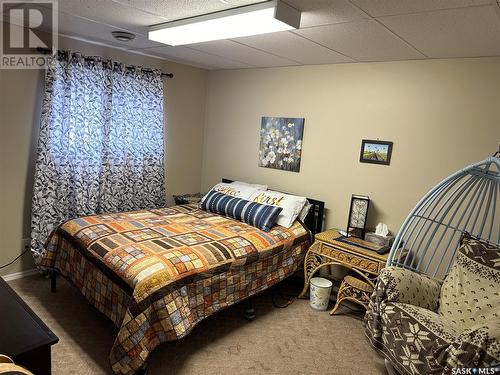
point(156, 273)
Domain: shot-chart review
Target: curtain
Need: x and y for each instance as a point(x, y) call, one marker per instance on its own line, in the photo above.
point(100, 147)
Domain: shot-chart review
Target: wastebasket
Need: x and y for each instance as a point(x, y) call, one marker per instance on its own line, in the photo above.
point(319, 293)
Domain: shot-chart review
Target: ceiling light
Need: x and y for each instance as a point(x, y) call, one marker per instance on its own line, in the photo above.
point(261, 18)
point(123, 36)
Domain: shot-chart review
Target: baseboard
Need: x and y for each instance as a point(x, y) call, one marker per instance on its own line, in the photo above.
point(19, 275)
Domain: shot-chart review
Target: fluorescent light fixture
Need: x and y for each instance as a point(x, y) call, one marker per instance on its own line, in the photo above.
point(261, 18)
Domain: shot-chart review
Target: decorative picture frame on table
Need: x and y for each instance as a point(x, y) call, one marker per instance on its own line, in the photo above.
point(375, 152)
point(358, 216)
point(281, 143)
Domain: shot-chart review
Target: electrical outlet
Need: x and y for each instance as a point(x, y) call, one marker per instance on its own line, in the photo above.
point(26, 244)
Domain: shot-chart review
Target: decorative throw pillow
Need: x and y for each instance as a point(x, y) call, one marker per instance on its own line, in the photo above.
point(291, 204)
point(261, 216)
point(469, 294)
point(237, 191)
point(242, 183)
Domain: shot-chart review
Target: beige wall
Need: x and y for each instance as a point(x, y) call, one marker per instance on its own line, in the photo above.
point(20, 99)
point(440, 114)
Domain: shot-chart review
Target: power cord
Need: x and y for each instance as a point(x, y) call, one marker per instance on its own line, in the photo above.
point(16, 258)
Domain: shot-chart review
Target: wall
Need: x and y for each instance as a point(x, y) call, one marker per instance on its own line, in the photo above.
point(20, 100)
point(440, 114)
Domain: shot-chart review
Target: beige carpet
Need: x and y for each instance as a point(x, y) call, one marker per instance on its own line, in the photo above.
point(294, 340)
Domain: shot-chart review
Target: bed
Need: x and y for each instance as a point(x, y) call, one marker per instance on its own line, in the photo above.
point(157, 273)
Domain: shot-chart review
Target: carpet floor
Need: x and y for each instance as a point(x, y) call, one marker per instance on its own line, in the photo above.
point(293, 340)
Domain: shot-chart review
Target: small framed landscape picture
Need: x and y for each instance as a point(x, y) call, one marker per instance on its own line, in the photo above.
point(376, 152)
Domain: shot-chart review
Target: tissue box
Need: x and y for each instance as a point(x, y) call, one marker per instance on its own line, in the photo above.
point(379, 240)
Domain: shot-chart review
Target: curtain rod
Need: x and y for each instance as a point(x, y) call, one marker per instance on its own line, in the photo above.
point(47, 51)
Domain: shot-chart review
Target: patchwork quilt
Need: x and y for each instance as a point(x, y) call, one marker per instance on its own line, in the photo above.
point(156, 273)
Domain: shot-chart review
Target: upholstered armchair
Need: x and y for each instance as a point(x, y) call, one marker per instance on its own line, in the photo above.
point(426, 326)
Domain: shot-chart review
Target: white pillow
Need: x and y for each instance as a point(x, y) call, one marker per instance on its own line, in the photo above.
point(305, 211)
point(257, 186)
point(238, 191)
point(291, 205)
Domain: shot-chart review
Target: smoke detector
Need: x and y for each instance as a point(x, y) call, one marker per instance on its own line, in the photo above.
point(123, 36)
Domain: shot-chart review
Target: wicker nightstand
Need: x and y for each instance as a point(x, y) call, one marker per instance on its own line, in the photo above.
point(329, 249)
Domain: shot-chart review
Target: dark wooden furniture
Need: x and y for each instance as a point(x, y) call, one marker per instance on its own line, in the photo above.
point(23, 336)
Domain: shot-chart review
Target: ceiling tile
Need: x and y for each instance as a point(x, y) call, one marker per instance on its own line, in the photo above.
point(325, 12)
point(86, 29)
point(363, 41)
point(378, 8)
point(80, 27)
point(437, 28)
point(177, 9)
point(464, 32)
point(111, 13)
point(294, 47)
point(196, 58)
point(235, 51)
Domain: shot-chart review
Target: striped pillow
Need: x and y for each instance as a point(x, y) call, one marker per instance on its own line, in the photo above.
point(258, 215)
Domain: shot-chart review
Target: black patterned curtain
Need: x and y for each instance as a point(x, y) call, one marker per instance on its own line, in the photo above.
point(101, 142)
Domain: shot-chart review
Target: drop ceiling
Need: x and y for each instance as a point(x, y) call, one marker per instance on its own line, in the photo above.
point(332, 31)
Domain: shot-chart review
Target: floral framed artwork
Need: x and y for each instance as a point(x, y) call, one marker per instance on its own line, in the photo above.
point(281, 143)
point(375, 152)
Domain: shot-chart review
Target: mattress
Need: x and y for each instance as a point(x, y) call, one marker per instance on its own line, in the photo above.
point(156, 273)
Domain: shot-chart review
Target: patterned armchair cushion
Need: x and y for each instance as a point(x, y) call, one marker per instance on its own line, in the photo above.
point(405, 286)
point(396, 284)
point(413, 338)
point(471, 292)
